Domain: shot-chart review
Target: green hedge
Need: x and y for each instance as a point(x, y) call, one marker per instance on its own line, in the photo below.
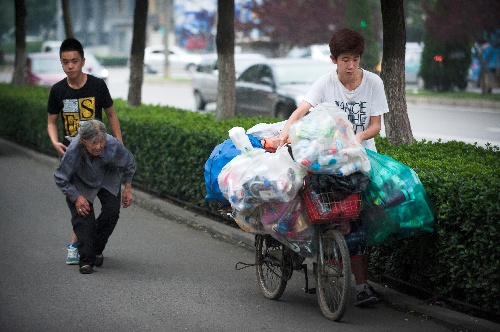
point(459, 260)
point(112, 60)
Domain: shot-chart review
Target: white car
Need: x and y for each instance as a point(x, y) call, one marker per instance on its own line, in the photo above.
point(314, 52)
point(179, 59)
point(206, 76)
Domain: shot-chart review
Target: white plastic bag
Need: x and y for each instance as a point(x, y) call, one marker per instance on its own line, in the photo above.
point(324, 142)
point(266, 130)
point(257, 176)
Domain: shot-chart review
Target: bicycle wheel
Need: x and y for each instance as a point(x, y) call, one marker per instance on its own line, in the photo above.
point(273, 268)
point(333, 274)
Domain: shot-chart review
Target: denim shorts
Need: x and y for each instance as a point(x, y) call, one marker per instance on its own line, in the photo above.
point(356, 239)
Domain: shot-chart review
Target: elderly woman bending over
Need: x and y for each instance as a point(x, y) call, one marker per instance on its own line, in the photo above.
point(90, 168)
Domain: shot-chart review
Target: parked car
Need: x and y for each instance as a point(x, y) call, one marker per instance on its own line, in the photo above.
point(275, 87)
point(206, 76)
point(315, 52)
point(45, 68)
point(179, 59)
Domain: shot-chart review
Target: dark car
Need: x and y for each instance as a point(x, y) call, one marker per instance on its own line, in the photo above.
point(206, 76)
point(276, 86)
point(45, 68)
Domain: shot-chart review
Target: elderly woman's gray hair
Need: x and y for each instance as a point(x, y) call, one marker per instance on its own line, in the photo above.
point(91, 130)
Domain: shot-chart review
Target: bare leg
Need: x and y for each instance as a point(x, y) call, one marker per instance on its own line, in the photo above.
point(359, 266)
point(74, 238)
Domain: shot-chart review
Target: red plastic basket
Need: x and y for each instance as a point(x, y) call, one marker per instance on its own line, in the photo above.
point(328, 208)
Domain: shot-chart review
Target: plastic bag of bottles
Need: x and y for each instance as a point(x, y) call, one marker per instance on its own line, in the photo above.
point(395, 203)
point(220, 156)
point(249, 221)
point(287, 222)
point(324, 142)
point(255, 177)
point(266, 130)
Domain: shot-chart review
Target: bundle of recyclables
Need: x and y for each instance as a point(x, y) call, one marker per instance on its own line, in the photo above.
point(281, 195)
point(395, 204)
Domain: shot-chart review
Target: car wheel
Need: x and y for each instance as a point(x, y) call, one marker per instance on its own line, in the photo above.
point(282, 112)
point(191, 68)
point(200, 103)
point(149, 70)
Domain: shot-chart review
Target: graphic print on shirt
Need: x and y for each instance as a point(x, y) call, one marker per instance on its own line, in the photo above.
point(356, 113)
point(76, 110)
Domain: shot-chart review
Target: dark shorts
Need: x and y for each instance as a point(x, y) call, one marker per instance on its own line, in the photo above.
point(356, 239)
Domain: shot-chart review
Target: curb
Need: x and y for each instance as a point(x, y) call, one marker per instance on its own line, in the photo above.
point(180, 214)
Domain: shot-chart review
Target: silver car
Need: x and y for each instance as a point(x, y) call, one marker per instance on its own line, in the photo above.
point(206, 76)
point(275, 87)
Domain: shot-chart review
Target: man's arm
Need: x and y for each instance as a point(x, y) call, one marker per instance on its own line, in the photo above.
point(53, 135)
point(114, 123)
point(372, 130)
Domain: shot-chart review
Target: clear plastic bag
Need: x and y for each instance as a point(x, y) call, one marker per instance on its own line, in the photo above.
point(266, 130)
point(395, 204)
point(249, 221)
point(287, 222)
point(324, 142)
point(257, 176)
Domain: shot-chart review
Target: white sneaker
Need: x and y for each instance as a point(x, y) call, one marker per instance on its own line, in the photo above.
point(73, 257)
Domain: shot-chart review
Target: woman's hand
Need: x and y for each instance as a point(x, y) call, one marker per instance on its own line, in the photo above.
point(82, 206)
point(127, 195)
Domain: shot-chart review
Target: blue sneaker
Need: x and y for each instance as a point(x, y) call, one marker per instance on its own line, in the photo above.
point(73, 257)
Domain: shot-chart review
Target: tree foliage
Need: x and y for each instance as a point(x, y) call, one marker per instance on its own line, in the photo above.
point(452, 26)
point(359, 17)
point(296, 22)
point(459, 20)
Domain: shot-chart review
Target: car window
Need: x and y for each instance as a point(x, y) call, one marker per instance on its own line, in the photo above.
point(266, 72)
point(303, 74)
point(251, 75)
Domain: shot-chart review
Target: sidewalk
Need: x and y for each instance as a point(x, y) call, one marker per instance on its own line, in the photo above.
point(455, 320)
point(470, 103)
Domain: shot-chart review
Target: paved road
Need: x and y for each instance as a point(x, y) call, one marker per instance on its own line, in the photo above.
point(159, 273)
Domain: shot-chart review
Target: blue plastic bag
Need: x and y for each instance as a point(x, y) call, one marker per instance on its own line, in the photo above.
point(220, 156)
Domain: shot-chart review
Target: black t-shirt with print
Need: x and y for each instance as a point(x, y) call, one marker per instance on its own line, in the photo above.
point(77, 105)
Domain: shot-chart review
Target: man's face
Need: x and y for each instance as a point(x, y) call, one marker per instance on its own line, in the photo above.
point(347, 63)
point(72, 63)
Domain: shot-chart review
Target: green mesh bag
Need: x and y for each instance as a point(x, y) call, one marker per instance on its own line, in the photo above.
point(395, 204)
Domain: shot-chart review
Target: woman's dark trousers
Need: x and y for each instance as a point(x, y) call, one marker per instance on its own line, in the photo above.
point(93, 233)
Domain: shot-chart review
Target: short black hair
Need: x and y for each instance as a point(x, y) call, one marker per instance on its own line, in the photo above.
point(71, 44)
point(346, 41)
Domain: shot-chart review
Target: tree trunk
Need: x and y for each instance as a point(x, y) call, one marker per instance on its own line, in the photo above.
point(18, 76)
point(226, 92)
point(397, 124)
point(169, 28)
point(68, 24)
point(137, 53)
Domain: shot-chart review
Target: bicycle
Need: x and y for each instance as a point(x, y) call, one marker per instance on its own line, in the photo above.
point(275, 261)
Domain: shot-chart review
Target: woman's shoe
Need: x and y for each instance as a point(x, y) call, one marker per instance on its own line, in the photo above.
point(99, 259)
point(86, 269)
